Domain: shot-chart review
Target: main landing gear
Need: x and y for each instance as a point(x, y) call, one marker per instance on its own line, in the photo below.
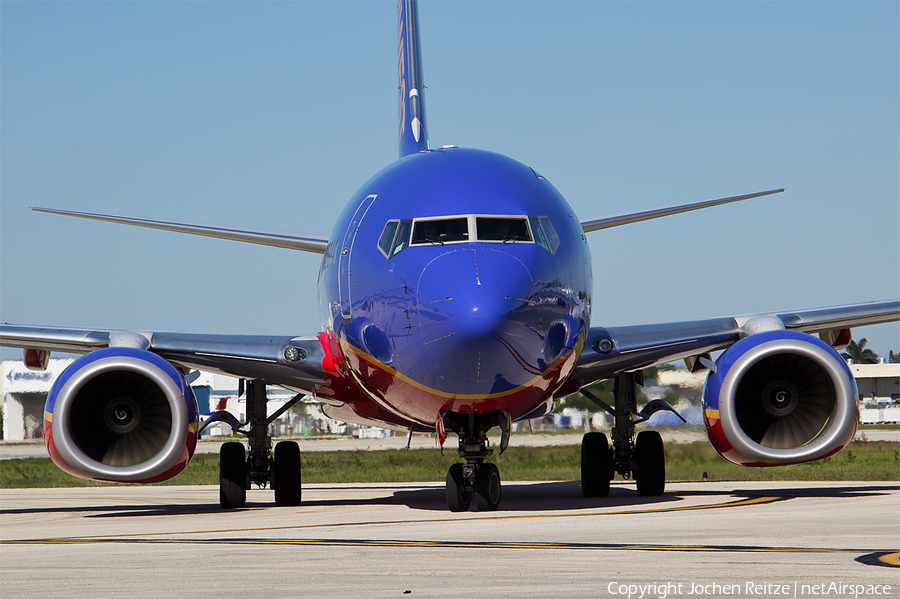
point(280, 470)
point(476, 477)
point(642, 458)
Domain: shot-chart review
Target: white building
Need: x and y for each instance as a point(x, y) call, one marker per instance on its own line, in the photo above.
point(879, 392)
point(877, 382)
point(24, 394)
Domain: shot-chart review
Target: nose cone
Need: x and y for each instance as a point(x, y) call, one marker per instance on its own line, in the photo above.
point(473, 317)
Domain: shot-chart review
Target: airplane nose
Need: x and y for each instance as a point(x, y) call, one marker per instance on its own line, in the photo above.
point(469, 306)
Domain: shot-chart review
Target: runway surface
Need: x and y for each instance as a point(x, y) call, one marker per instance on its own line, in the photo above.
point(398, 540)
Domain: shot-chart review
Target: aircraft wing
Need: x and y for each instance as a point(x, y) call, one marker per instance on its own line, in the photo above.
point(243, 356)
point(613, 350)
point(595, 224)
point(317, 244)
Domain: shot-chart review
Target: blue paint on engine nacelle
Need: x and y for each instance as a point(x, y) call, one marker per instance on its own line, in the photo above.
point(141, 354)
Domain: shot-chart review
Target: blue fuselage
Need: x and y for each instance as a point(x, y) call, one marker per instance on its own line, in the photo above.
point(457, 280)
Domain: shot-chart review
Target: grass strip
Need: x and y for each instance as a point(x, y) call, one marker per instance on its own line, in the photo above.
point(861, 461)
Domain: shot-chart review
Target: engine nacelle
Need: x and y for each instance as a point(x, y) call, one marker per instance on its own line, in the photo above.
point(780, 397)
point(121, 415)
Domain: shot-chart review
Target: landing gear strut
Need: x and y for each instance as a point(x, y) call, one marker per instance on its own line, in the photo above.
point(642, 458)
point(281, 471)
point(475, 477)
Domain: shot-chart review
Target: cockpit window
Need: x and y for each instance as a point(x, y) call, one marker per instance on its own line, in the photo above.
point(395, 237)
point(440, 231)
point(387, 237)
point(539, 237)
point(399, 234)
point(544, 233)
point(503, 229)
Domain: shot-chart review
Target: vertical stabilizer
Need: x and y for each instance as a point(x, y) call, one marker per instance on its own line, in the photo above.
point(413, 133)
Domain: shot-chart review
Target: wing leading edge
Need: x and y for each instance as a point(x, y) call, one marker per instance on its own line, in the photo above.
point(613, 350)
point(243, 356)
point(308, 243)
point(633, 217)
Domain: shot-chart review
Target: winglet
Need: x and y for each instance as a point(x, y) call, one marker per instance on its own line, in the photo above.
point(413, 133)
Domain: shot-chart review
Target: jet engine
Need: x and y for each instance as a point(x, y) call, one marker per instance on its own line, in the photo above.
point(779, 397)
point(121, 415)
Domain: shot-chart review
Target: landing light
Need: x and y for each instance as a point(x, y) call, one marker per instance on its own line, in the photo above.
point(295, 354)
point(603, 346)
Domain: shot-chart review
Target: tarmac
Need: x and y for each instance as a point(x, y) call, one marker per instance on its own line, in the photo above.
point(809, 539)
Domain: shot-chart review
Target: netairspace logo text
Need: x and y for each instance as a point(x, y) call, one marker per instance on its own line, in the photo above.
point(661, 590)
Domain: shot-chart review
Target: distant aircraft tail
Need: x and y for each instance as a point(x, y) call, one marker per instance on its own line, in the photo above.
point(223, 403)
point(413, 134)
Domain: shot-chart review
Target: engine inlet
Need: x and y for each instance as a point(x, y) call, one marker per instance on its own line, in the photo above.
point(784, 401)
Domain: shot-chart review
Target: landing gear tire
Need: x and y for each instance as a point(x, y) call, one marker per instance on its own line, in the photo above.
point(286, 475)
point(649, 464)
point(596, 465)
point(232, 476)
point(487, 488)
point(458, 500)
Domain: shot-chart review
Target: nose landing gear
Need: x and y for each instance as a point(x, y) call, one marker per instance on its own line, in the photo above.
point(476, 477)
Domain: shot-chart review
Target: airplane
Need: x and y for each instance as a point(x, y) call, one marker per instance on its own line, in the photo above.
point(455, 295)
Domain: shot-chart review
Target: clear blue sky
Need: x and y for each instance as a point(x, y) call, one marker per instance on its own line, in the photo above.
point(271, 115)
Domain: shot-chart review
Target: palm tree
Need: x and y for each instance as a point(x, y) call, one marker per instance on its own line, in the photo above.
point(859, 353)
